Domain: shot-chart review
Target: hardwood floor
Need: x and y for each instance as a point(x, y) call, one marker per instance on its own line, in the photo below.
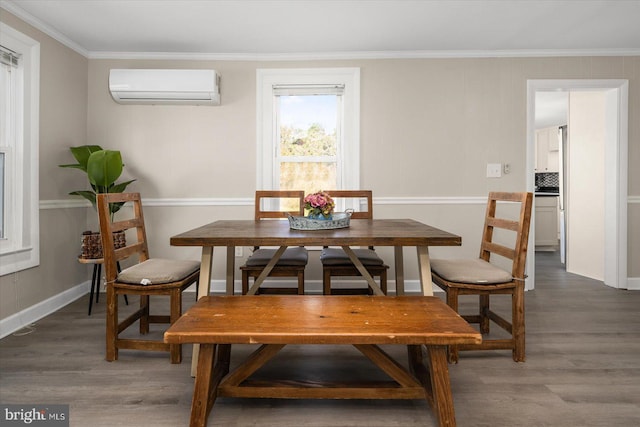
point(582, 369)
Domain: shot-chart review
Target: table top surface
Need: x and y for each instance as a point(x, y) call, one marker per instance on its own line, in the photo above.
point(317, 319)
point(361, 232)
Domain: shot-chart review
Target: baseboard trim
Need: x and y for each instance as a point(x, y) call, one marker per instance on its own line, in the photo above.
point(633, 283)
point(32, 314)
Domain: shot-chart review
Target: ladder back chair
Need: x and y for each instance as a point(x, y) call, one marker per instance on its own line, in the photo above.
point(294, 260)
point(481, 277)
point(148, 277)
point(336, 263)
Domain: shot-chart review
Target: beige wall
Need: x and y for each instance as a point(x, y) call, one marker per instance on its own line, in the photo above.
point(63, 123)
point(428, 128)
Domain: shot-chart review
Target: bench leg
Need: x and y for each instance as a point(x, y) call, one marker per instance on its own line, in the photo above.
point(204, 392)
point(209, 373)
point(441, 386)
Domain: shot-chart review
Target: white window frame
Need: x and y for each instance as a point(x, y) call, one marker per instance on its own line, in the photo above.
point(20, 249)
point(267, 144)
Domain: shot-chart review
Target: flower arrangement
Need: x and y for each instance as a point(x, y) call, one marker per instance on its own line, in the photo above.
point(319, 205)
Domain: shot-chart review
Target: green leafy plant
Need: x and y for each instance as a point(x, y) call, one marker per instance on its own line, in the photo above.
point(103, 168)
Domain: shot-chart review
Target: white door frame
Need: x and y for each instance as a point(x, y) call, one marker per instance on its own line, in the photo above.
point(616, 174)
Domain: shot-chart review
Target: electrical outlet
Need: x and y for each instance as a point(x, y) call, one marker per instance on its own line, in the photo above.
point(506, 168)
point(238, 250)
point(494, 170)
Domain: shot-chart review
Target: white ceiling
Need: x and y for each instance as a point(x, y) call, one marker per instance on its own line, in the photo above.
point(310, 29)
point(337, 29)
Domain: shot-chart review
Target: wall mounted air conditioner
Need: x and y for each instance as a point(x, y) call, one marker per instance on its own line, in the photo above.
point(186, 87)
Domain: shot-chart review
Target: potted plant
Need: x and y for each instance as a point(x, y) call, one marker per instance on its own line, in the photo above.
point(103, 168)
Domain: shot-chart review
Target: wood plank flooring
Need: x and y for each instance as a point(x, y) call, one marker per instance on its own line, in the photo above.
point(582, 369)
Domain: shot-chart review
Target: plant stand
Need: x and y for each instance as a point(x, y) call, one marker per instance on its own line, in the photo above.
point(95, 279)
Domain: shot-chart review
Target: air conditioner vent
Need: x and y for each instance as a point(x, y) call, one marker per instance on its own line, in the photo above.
point(151, 86)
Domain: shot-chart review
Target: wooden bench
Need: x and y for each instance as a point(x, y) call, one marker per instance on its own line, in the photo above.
point(363, 321)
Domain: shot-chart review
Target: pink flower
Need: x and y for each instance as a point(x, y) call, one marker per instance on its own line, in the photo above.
point(319, 203)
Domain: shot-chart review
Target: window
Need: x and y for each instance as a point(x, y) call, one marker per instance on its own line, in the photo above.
point(19, 94)
point(308, 129)
point(308, 138)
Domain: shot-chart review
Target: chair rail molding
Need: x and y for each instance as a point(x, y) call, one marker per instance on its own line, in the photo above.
point(248, 201)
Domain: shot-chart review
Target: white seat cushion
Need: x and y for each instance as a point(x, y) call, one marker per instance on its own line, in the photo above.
point(476, 271)
point(157, 271)
point(291, 257)
point(337, 256)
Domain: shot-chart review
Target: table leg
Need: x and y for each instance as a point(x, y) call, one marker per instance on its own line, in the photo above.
point(424, 266)
point(363, 270)
point(206, 263)
point(399, 266)
point(231, 266)
point(441, 385)
point(204, 283)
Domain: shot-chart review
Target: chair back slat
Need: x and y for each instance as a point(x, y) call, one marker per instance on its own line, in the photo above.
point(492, 247)
point(261, 195)
point(508, 196)
point(126, 224)
point(129, 250)
point(503, 223)
point(518, 252)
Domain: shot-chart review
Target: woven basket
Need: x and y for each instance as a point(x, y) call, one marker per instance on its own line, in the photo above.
point(92, 245)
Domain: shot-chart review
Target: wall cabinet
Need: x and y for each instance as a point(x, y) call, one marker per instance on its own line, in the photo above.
point(546, 222)
point(547, 146)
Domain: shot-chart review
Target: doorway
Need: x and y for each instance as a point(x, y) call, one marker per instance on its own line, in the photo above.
point(615, 171)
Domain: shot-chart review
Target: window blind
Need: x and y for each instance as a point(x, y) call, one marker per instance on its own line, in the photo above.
point(304, 89)
point(9, 57)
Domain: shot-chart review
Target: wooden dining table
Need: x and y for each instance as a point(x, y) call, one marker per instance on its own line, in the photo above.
point(397, 233)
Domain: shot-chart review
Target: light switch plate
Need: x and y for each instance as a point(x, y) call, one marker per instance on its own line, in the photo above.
point(494, 170)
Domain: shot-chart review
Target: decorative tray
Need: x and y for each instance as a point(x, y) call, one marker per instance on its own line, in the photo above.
point(338, 220)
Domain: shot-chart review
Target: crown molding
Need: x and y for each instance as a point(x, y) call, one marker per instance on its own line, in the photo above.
point(324, 56)
point(41, 26)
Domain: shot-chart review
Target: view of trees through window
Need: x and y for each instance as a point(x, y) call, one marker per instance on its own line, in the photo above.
point(309, 142)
